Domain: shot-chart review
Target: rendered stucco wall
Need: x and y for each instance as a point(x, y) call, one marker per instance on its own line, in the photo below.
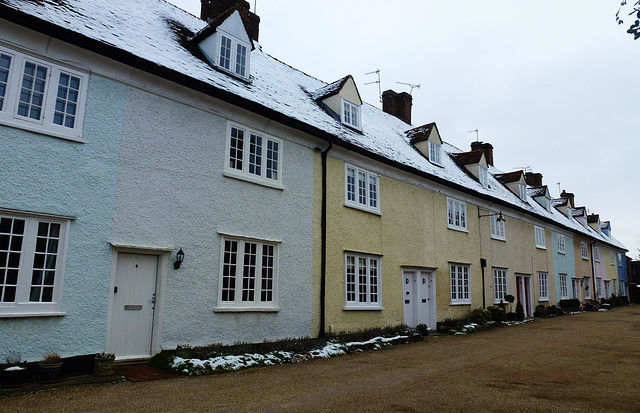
point(55, 176)
point(171, 192)
point(563, 264)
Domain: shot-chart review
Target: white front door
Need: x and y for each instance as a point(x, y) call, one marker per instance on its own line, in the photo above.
point(418, 293)
point(133, 305)
point(575, 286)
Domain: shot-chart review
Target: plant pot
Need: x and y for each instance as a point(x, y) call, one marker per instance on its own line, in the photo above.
point(103, 366)
point(50, 373)
point(13, 377)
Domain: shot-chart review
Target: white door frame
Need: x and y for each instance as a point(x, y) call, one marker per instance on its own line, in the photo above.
point(163, 254)
point(429, 273)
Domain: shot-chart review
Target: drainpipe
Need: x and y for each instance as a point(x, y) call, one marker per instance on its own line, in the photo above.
point(594, 293)
point(323, 229)
point(483, 264)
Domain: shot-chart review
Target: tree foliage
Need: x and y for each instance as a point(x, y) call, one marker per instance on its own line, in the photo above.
point(634, 28)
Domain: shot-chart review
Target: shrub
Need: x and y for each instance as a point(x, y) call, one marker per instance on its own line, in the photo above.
point(497, 314)
point(571, 304)
point(541, 311)
point(511, 316)
point(479, 316)
point(519, 311)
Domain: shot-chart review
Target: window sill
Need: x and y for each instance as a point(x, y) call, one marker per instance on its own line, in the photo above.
point(541, 248)
point(498, 238)
point(464, 303)
point(251, 179)
point(41, 129)
point(246, 309)
point(360, 208)
point(543, 300)
point(362, 308)
point(34, 314)
point(585, 258)
point(460, 229)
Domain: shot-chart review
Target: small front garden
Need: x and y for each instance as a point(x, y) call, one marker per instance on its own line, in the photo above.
point(218, 358)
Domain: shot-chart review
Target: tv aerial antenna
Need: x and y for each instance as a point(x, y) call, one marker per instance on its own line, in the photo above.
point(411, 85)
point(476, 131)
point(376, 72)
point(524, 168)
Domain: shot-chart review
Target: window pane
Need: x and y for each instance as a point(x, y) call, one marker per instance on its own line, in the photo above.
point(66, 101)
point(373, 191)
point(236, 149)
point(241, 60)
point(32, 91)
point(255, 155)
point(272, 159)
point(225, 52)
point(267, 273)
point(362, 188)
point(249, 272)
point(5, 63)
point(229, 270)
point(351, 184)
point(351, 278)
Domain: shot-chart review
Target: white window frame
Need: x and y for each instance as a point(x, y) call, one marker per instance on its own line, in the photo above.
point(500, 284)
point(435, 151)
point(248, 158)
point(564, 288)
point(457, 214)
point(460, 282)
point(30, 253)
point(45, 123)
point(362, 291)
point(233, 58)
point(543, 286)
point(596, 254)
point(607, 288)
point(497, 227)
point(561, 244)
point(366, 198)
point(599, 287)
point(350, 114)
point(541, 241)
point(611, 258)
point(246, 297)
point(483, 176)
point(584, 251)
point(619, 260)
point(523, 191)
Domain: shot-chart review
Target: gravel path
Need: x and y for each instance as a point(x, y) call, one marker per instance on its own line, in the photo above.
point(582, 362)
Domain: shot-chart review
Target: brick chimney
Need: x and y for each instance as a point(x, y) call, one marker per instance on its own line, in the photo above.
point(533, 178)
point(212, 9)
point(487, 148)
point(398, 105)
point(569, 196)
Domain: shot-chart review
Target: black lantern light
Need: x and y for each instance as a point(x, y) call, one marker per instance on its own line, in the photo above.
point(179, 259)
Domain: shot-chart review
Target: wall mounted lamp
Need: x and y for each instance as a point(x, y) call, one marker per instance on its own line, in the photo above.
point(499, 214)
point(179, 259)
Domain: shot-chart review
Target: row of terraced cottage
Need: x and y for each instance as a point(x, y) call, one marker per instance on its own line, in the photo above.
point(167, 182)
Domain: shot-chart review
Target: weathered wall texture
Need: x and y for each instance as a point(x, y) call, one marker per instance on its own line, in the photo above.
point(171, 192)
point(55, 176)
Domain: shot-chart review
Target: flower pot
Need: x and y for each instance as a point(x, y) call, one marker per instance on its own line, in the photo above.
point(13, 377)
point(50, 373)
point(103, 366)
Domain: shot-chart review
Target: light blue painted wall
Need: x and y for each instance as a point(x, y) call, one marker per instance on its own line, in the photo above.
point(55, 176)
point(563, 263)
point(171, 192)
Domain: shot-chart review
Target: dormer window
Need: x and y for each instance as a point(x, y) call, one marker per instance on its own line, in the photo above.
point(351, 114)
point(523, 192)
point(226, 45)
point(232, 55)
point(434, 152)
point(482, 175)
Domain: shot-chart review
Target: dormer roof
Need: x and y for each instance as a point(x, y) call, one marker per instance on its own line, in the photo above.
point(579, 211)
point(212, 27)
point(509, 177)
point(538, 191)
point(593, 218)
point(469, 158)
point(335, 88)
point(559, 202)
point(425, 132)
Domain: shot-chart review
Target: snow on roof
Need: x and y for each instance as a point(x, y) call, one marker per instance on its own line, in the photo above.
point(330, 89)
point(509, 176)
point(420, 133)
point(537, 191)
point(156, 32)
point(468, 158)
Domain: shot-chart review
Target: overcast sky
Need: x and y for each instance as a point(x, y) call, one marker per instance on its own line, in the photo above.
point(551, 84)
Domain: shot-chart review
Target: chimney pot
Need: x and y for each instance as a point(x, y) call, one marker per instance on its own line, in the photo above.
point(487, 148)
point(398, 105)
point(533, 178)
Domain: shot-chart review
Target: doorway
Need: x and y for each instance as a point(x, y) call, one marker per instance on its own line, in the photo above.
point(419, 297)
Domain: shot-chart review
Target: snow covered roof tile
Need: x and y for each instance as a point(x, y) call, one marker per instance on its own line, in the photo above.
point(152, 35)
point(330, 89)
point(509, 176)
point(537, 191)
point(420, 133)
point(468, 158)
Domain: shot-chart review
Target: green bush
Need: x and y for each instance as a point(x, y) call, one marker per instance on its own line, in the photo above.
point(519, 311)
point(541, 311)
point(479, 316)
point(497, 314)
